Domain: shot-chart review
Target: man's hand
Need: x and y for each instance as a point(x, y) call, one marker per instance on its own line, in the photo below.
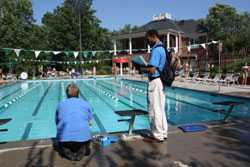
point(151, 70)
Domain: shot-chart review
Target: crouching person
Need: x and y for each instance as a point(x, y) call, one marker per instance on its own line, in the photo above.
point(73, 118)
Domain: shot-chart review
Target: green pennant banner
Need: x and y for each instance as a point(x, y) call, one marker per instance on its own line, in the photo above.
point(85, 54)
point(93, 53)
point(67, 53)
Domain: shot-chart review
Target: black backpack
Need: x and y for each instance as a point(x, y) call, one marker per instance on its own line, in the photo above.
point(167, 75)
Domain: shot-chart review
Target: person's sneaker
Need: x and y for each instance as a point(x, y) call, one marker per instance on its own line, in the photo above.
point(158, 140)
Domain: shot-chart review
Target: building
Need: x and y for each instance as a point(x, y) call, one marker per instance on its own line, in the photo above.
point(174, 34)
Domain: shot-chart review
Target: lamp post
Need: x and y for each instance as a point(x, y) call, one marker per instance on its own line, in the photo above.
point(220, 50)
point(78, 6)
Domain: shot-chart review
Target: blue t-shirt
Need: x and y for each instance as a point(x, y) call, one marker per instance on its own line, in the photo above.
point(157, 59)
point(72, 120)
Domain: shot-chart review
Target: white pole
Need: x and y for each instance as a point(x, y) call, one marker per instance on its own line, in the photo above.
point(168, 41)
point(121, 73)
point(115, 48)
point(130, 46)
point(220, 49)
point(176, 44)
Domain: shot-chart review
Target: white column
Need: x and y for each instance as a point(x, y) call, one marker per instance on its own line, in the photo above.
point(176, 44)
point(149, 48)
point(121, 70)
point(115, 48)
point(168, 40)
point(130, 46)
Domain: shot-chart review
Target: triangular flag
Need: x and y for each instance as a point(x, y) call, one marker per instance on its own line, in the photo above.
point(37, 53)
point(93, 53)
point(66, 53)
point(56, 52)
point(17, 51)
point(85, 54)
point(189, 48)
point(203, 45)
point(76, 54)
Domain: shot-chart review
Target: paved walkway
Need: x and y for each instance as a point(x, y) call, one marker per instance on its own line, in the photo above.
point(221, 146)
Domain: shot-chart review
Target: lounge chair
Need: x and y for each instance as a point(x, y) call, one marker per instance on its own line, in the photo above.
point(194, 78)
point(227, 80)
point(215, 79)
point(204, 79)
point(236, 79)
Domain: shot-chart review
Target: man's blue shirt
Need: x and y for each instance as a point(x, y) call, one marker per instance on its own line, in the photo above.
point(157, 59)
point(72, 119)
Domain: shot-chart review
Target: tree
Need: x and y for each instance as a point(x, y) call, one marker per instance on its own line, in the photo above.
point(128, 28)
point(63, 28)
point(16, 18)
point(225, 24)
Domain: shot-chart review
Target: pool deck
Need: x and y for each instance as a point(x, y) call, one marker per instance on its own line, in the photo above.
point(222, 145)
point(226, 145)
point(233, 90)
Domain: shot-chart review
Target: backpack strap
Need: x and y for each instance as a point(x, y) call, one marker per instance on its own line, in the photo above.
point(167, 56)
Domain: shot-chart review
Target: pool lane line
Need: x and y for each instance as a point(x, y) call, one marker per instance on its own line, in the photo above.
point(104, 100)
point(126, 104)
point(185, 102)
point(27, 131)
point(139, 95)
point(6, 96)
point(99, 124)
point(198, 106)
point(9, 85)
point(96, 118)
point(135, 102)
point(135, 85)
point(41, 100)
point(3, 106)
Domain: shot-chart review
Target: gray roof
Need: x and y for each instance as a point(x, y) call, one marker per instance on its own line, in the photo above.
point(190, 28)
point(159, 25)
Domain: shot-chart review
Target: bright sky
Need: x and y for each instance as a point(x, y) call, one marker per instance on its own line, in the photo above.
point(114, 14)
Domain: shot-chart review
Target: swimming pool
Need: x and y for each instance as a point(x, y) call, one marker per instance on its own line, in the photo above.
point(31, 105)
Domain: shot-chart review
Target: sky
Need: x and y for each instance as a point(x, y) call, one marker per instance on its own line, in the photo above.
point(114, 14)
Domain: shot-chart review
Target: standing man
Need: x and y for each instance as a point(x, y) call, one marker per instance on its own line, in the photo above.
point(156, 96)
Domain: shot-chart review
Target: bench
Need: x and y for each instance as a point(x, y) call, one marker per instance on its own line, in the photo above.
point(132, 114)
point(231, 105)
point(4, 121)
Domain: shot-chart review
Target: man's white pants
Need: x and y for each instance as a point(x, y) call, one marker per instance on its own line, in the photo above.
point(156, 109)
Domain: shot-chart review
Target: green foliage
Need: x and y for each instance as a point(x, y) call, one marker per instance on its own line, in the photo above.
point(63, 28)
point(236, 66)
point(225, 24)
point(16, 18)
point(128, 28)
point(59, 31)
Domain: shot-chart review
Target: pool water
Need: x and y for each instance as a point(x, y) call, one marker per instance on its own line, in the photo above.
point(32, 106)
